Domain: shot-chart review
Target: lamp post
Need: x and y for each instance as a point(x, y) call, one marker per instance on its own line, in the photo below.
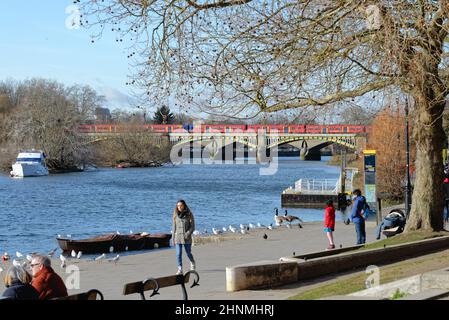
point(407, 155)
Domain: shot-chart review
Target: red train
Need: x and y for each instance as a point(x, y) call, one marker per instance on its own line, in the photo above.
point(227, 128)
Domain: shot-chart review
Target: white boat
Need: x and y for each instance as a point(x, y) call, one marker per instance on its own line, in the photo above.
point(30, 164)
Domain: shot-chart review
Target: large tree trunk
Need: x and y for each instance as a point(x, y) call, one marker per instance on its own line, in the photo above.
point(428, 195)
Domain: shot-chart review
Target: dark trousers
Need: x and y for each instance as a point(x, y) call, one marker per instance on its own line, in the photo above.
point(446, 212)
point(360, 230)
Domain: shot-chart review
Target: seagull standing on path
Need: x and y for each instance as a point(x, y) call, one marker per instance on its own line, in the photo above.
point(99, 258)
point(216, 232)
point(115, 260)
point(63, 259)
point(78, 256)
point(73, 254)
point(232, 229)
point(52, 253)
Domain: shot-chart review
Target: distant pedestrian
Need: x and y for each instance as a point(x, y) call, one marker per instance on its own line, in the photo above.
point(358, 205)
point(18, 287)
point(446, 193)
point(329, 223)
point(183, 227)
point(46, 281)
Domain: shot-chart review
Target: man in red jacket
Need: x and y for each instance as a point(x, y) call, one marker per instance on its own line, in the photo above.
point(47, 283)
point(329, 223)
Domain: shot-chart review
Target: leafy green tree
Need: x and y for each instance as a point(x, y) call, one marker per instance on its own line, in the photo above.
point(163, 116)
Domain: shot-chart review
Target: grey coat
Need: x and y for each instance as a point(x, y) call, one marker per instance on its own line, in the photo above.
point(183, 227)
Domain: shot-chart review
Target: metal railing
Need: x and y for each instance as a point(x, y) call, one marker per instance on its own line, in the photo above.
point(317, 186)
point(324, 186)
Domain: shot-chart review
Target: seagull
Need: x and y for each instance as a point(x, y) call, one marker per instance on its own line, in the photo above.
point(111, 249)
point(216, 232)
point(224, 229)
point(69, 236)
point(205, 231)
point(19, 255)
point(99, 258)
point(196, 233)
point(15, 263)
point(270, 227)
point(156, 245)
point(62, 258)
point(78, 256)
point(73, 254)
point(277, 218)
point(29, 258)
point(243, 231)
point(232, 229)
point(131, 232)
point(52, 252)
point(63, 265)
point(265, 236)
point(126, 248)
point(259, 225)
point(251, 226)
point(59, 236)
point(117, 232)
point(242, 226)
point(115, 260)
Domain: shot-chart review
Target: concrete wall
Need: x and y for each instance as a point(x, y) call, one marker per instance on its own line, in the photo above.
point(306, 200)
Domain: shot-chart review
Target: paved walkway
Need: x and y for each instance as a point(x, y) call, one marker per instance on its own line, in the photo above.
point(212, 259)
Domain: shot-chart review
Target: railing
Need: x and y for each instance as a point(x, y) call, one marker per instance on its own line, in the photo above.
point(317, 186)
point(324, 186)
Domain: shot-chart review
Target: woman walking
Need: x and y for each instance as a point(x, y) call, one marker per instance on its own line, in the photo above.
point(183, 227)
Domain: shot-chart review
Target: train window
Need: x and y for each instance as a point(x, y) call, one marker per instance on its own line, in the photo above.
point(324, 130)
point(169, 129)
point(285, 129)
point(345, 129)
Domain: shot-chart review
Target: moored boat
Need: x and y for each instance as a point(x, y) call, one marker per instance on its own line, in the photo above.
point(102, 244)
point(29, 164)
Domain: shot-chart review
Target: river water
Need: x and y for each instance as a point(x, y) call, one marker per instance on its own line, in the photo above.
point(34, 211)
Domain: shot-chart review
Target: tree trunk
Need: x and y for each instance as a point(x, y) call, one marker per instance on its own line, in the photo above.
point(428, 195)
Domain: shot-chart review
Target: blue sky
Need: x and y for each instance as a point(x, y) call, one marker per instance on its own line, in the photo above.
point(35, 42)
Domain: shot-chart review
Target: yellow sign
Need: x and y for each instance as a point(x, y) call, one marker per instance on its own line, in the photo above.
point(369, 151)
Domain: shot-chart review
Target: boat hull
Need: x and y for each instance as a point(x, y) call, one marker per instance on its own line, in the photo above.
point(119, 243)
point(21, 170)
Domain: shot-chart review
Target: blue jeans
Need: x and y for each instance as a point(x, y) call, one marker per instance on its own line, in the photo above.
point(179, 253)
point(360, 230)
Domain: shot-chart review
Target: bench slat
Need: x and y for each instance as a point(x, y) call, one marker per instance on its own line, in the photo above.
point(168, 281)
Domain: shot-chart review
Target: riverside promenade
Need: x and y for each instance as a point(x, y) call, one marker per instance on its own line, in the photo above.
point(212, 259)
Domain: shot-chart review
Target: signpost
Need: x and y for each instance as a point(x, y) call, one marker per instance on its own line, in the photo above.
point(370, 177)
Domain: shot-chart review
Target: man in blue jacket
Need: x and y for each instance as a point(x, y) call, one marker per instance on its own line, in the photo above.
point(358, 204)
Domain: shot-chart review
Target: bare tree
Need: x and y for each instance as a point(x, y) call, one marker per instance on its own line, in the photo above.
point(230, 56)
point(46, 116)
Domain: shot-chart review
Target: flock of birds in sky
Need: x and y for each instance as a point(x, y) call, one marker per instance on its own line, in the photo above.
point(25, 260)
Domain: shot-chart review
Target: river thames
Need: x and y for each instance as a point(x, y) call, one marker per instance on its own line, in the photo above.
point(35, 210)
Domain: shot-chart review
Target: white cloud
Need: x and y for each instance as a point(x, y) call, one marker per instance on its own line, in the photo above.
point(115, 98)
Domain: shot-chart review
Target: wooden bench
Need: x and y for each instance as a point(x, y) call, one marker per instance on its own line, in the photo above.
point(89, 295)
point(157, 283)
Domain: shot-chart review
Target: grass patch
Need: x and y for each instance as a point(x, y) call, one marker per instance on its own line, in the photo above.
point(405, 238)
point(398, 295)
point(388, 273)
